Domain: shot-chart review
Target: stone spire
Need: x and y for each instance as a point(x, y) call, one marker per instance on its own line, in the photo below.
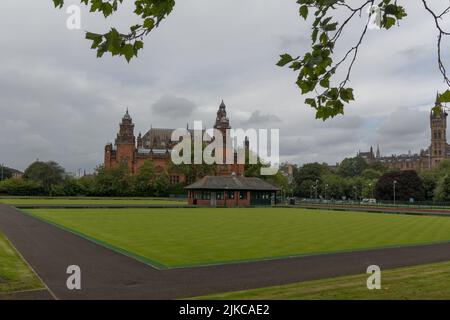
point(127, 116)
point(126, 131)
point(222, 121)
point(139, 141)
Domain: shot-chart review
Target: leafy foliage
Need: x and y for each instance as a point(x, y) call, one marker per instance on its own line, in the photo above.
point(317, 67)
point(408, 185)
point(442, 191)
point(47, 174)
point(308, 177)
point(21, 187)
point(352, 167)
point(151, 13)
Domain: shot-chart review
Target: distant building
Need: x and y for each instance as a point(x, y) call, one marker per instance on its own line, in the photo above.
point(287, 170)
point(156, 145)
point(16, 173)
point(231, 191)
point(6, 172)
point(426, 159)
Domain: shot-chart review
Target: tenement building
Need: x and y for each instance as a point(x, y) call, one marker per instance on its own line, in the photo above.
point(156, 146)
point(426, 159)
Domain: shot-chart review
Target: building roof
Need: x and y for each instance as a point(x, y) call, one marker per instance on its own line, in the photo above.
point(160, 138)
point(232, 183)
point(13, 171)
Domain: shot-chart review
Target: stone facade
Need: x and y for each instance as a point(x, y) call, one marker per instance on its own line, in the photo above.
point(156, 145)
point(426, 159)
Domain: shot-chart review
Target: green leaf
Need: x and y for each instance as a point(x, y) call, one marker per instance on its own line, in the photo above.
point(149, 23)
point(325, 82)
point(304, 11)
point(285, 59)
point(346, 94)
point(389, 22)
point(128, 52)
point(58, 3)
point(444, 97)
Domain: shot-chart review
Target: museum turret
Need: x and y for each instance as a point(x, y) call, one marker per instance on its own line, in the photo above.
point(438, 125)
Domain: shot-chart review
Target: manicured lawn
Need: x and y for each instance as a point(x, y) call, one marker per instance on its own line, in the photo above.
point(193, 236)
point(15, 275)
point(93, 201)
point(422, 282)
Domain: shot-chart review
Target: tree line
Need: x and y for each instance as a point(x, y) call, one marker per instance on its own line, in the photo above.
point(355, 179)
point(51, 179)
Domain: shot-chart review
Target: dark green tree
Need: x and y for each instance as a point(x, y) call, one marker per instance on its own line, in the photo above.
point(308, 177)
point(161, 185)
point(408, 185)
point(430, 180)
point(112, 181)
point(332, 186)
point(352, 167)
point(371, 174)
point(144, 180)
point(72, 187)
point(442, 191)
point(48, 174)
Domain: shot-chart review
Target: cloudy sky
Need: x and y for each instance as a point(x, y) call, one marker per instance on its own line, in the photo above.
point(59, 102)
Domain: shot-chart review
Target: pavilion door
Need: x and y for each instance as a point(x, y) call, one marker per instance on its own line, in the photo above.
point(213, 199)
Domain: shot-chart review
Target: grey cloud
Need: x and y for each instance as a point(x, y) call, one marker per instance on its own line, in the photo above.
point(58, 102)
point(173, 107)
point(404, 130)
point(404, 122)
point(258, 118)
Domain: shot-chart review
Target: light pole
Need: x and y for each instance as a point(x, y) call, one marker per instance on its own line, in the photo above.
point(395, 183)
point(371, 190)
point(317, 185)
point(326, 186)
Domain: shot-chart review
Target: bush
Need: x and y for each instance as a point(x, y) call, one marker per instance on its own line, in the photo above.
point(21, 187)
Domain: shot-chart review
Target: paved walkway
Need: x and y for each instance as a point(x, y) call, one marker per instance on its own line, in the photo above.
point(110, 275)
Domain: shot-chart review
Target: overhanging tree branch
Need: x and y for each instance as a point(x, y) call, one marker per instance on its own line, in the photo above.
point(316, 69)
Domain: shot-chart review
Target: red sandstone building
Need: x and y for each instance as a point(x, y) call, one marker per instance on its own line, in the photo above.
point(231, 191)
point(156, 146)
